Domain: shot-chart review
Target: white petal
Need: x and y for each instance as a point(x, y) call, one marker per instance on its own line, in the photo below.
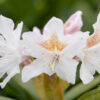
point(36, 30)
point(3, 46)
point(31, 43)
point(11, 69)
point(90, 67)
point(33, 36)
point(18, 30)
point(9, 66)
point(54, 26)
point(36, 68)
point(7, 30)
point(92, 56)
point(11, 73)
point(33, 49)
point(85, 74)
point(6, 24)
point(97, 24)
point(66, 69)
point(8, 62)
point(75, 44)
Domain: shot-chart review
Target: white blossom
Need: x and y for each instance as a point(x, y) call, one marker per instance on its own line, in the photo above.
point(10, 49)
point(53, 51)
point(90, 55)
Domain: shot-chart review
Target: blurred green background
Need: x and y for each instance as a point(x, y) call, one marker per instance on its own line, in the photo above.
point(37, 13)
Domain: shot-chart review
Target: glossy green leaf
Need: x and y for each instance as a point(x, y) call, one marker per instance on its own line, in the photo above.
point(80, 88)
point(91, 95)
point(29, 86)
point(5, 98)
point(19, 91)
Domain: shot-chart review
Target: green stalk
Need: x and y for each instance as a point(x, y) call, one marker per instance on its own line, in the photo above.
point(79, 89)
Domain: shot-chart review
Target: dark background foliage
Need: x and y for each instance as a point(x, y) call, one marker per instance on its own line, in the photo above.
point(38, 12)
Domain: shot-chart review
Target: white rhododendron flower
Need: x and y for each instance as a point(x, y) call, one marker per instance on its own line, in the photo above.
point(74, 23)
point(90, 55)
point(54, 51)
point(10, 50)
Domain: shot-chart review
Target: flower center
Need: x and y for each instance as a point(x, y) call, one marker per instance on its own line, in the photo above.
point(93, 40)
point(53, 44)
point(54, 61)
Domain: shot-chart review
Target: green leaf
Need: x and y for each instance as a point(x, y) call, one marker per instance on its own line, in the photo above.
point(5, 98)
point(29, 86)
point(18, 90)
point(80, 88)
point(91, 95)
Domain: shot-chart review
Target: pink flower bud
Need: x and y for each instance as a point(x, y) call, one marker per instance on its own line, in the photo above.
point(74, 23)
point(36, 30)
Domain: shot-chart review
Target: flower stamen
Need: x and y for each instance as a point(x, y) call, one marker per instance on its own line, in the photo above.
point(53, 62)
point(53, 44)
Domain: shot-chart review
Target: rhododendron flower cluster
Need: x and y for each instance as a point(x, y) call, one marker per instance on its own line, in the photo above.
point(58, 49)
